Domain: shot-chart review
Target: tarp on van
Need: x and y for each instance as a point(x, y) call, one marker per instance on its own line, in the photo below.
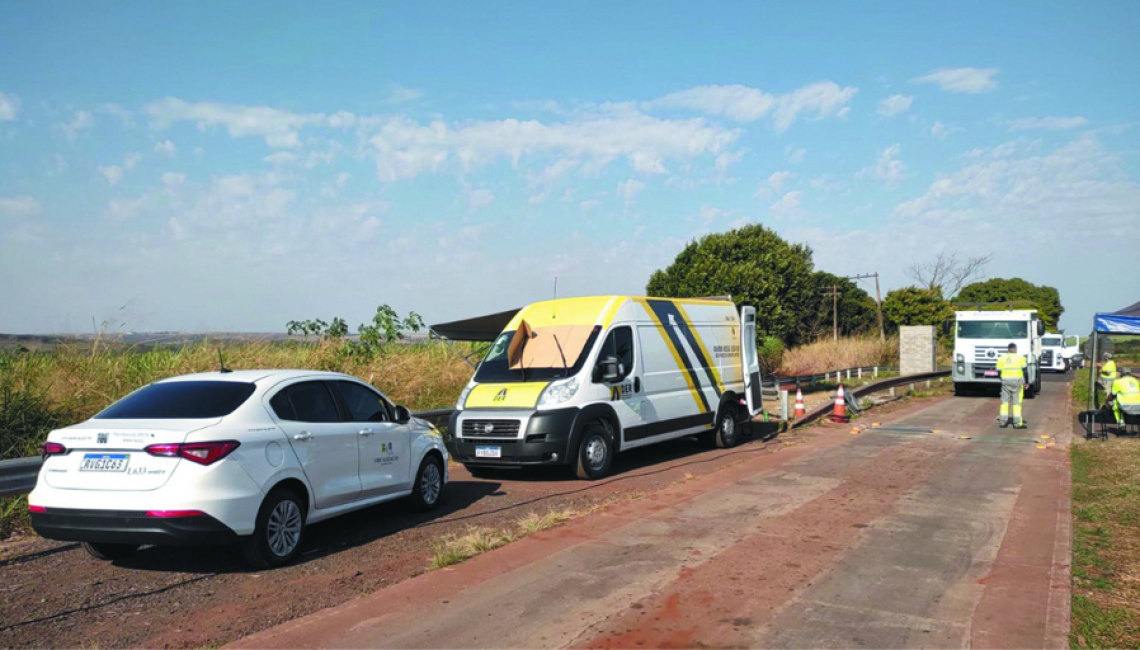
point(482, 328)
point(545, 347)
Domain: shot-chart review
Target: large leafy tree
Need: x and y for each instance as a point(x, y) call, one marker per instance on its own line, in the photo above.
point(857, 313)
point(1046, 300)
point(916, 306)
point(756, 267)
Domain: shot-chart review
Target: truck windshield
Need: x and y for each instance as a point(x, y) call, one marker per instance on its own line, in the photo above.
point(993, 329)
point(496, 366)
point(1051, 342)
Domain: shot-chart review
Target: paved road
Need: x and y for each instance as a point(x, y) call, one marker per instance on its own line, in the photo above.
point(937, 529)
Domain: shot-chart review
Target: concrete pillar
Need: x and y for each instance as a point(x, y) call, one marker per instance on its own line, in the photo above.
point(785, 414)
point(916, 349)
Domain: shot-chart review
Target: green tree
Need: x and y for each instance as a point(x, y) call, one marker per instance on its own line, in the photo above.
point(915, 306)
point(1046, 300)
point(386, 327)
point(857, 313)
point(756, 267)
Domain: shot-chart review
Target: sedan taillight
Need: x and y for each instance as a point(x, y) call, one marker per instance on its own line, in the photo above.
point(52, 449)
point(203, 453)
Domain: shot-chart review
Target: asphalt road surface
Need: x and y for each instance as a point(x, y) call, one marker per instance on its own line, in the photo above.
point(936, 529)
point(895, 536)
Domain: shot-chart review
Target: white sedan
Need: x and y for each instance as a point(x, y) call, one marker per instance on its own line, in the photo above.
point(247, 457)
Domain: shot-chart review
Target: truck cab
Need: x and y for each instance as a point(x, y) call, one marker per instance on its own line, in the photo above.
point(1059, 353)
point(981, 336)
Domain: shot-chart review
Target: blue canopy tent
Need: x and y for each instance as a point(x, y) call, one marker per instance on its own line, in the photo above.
point(1126, 321)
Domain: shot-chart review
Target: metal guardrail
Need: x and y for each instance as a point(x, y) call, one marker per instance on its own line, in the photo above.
point(868, 389)
point(18, 476)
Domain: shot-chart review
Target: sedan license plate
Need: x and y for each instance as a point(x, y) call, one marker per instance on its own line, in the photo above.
point(488, 452)
point(990, 373)
point(104, 463)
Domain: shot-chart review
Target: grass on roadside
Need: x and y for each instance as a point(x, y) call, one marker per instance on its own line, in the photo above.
point(1106, 544)
point(480, 539)
point(828, 354)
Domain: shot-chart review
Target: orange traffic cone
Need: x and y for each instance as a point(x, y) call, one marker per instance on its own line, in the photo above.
point(800, 410)
point(839, 413)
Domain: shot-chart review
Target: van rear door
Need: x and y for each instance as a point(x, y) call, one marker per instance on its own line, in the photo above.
point(750, 361)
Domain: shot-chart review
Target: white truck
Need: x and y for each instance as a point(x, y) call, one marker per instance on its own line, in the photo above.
point(1059, 353)
point(982, 335)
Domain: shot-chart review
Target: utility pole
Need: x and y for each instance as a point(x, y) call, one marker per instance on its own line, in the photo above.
point(834, 293)
point(878, 300)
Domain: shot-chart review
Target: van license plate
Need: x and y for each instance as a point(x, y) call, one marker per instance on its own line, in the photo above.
point(991, 373)
point(488, 452)
point(104, 463)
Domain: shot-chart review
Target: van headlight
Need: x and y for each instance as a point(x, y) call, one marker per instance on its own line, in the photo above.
point(463, 397)
point(960, 358)
point(558, 392)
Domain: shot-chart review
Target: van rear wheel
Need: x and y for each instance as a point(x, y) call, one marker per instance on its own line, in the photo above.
point(727, 434)
point(595, 453)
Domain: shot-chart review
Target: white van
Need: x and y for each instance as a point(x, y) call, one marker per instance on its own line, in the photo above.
point(574, 381)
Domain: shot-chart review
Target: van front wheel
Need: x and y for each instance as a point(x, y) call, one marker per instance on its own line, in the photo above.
point(595, 453)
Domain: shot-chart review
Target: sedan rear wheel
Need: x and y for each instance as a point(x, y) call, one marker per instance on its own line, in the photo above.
point(106, 551)
point(280, 527)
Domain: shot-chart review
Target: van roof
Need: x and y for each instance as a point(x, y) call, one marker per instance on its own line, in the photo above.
point(583, 310)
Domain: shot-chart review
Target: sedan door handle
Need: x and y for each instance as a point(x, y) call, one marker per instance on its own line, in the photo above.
point(366, 432)
point(304, 435)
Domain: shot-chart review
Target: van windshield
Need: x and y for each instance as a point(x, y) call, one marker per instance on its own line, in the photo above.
point(1052, 341)
point(496, 366)
point(993, 329)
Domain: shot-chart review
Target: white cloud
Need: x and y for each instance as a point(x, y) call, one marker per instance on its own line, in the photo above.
point(80, 121)
point(114, 110)
point(131, 159)
point(480, 198)
point(709, 214)
point(586, 206)
point(629, 190)
point(746, 104)
point(776, 180)
point(962, 80)
point(173, 179)
point(20, 206)
point(405, 148)
point(9, 107)
point(1055, 123)
point(894, 105)
point(280, 129)
point(940, 130)
point(113, 173)
point(795, 155)
point(887, 168)
point(787, 206)
point(280, 157)
point(727, 159)
point(166, 147)
point(402, 95)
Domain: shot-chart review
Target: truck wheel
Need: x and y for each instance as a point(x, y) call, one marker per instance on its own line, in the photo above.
point(1065, 366)
point(726, 432)
point(961, 390)
point(107, 551)
point(595, 453)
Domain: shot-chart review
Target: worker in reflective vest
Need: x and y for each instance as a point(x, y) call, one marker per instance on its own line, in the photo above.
point(1125, 396)
point(1014, 379)
point(1107, 372)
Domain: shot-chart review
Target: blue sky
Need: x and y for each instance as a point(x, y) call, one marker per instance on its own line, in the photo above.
point(211, 165)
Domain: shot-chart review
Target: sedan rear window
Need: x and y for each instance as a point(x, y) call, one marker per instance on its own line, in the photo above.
point(180, 400)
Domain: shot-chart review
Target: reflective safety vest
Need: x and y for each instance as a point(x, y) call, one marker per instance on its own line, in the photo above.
point(1011, 365)
point(1127, 390)
point(1108, 370)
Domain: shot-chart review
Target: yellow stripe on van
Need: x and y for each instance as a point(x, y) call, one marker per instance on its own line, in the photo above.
point(701, 344)
point(508, 396)
point(567, 311)
point(672, 350)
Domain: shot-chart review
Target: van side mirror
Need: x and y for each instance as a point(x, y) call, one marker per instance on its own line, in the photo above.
point(403, 415)
point(608, 370)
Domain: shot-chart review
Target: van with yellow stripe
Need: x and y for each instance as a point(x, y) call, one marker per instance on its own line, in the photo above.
point(572, 382)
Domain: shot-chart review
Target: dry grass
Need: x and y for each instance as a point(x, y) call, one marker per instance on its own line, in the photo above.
point(827, 354)
point(1106, 544)
point(480, 539)
point(41, 390)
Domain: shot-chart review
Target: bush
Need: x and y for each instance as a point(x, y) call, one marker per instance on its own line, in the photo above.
point(771, 353)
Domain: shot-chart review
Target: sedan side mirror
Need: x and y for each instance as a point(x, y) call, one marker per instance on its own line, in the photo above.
point(403, 415)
